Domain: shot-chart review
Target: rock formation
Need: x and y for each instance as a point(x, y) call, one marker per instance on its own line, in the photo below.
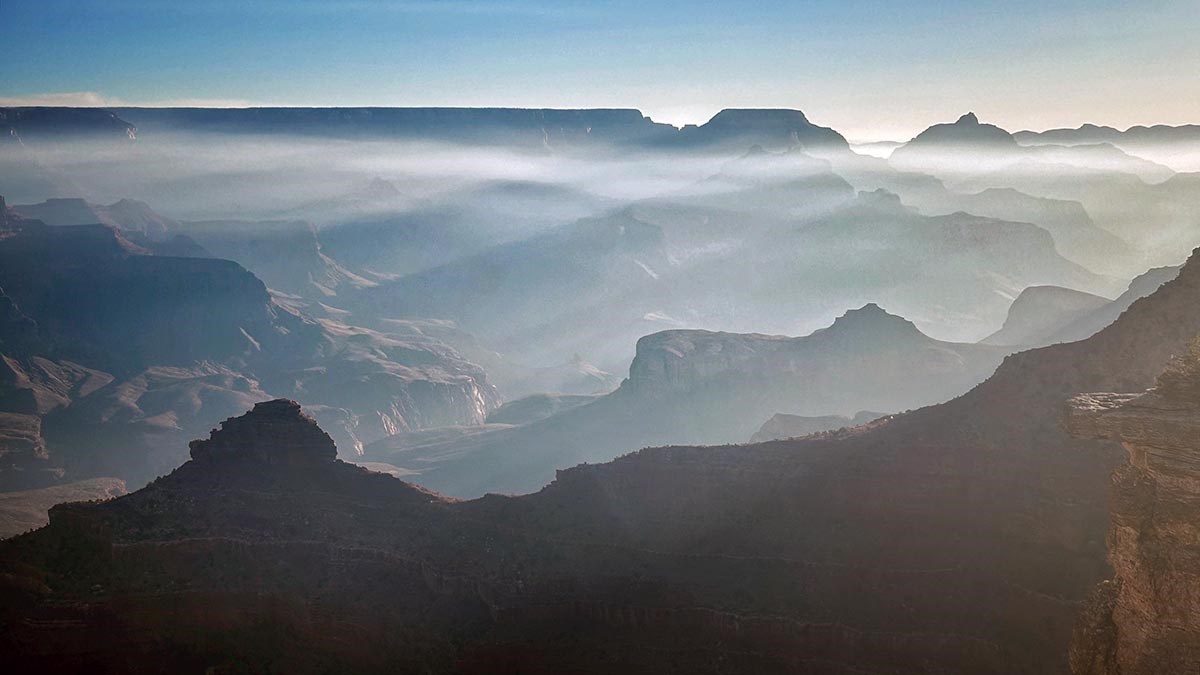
point(274, 432)
point(1146, 619)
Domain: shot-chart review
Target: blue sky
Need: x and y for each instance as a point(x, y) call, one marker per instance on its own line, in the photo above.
point(870, 68)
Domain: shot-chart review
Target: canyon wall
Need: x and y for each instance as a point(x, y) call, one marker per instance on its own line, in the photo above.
point(1146, 619)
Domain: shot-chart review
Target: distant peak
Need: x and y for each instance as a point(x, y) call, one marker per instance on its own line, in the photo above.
point(274, 432)
point(872, 322)
point(868, 312)
point(968, 119)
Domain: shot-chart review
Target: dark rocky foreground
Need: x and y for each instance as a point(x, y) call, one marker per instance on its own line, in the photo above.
point(962, 537)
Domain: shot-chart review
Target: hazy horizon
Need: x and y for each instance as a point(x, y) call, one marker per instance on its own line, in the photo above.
point(93, 100)
point(874, 70)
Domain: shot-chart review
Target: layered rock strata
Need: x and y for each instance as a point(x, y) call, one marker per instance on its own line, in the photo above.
point(1146, 619)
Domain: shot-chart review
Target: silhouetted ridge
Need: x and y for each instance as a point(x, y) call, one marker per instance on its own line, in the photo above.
point(54, 123)
point(274, 432)
point(872, 321)
point(967, 129)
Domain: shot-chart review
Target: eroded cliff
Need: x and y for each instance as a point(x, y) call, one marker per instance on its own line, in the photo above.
point(1146, 619)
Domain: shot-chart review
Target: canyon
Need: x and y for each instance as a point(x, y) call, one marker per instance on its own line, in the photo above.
point(442, 469)
point(911, 554)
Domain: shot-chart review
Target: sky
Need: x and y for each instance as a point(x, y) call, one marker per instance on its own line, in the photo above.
point(872, 69)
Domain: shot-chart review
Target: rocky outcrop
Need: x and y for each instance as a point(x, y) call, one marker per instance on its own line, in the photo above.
point(1146, 620)
point(274, 432)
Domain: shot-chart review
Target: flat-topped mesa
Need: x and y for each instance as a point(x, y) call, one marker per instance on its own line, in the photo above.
point(274, 432)
point(1147, 619)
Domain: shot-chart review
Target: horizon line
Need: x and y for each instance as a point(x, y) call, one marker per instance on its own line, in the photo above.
point(16, 103)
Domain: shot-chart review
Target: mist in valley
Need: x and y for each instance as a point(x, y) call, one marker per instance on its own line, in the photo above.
point(478, 312)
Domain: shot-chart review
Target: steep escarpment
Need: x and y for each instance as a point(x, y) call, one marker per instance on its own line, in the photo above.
point(1146, 619)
